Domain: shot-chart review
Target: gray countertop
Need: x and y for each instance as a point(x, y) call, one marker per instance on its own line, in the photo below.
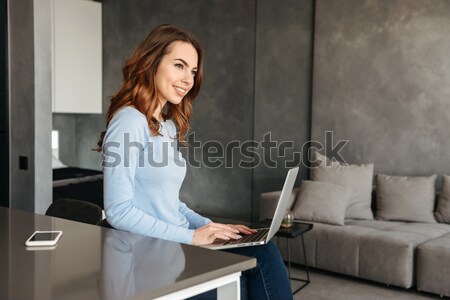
point(91, 262)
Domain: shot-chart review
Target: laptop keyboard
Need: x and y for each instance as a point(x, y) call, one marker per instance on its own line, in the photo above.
point(257, 236)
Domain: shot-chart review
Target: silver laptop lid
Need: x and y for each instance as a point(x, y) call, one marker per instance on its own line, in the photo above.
point(282, 202)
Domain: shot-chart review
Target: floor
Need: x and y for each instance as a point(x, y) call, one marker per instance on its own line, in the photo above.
point(330, 286)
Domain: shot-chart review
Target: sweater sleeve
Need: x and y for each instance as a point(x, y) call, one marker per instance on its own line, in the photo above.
point(122, 152)
point(195, 220)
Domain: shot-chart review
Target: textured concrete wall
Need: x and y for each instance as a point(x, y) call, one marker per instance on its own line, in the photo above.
point(29, 109)
point(243, 96)
point(381, 80)
point(282, 86)
point(21, 102)
point(43, 107)
point(223, 110)
point(4, 118)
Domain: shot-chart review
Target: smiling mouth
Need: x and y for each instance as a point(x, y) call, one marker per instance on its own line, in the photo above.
point(180, 90)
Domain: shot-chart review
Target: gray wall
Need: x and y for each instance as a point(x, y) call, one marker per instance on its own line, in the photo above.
point(381, 80)
point(21, 102)
point(43, 107)
point(222, 112)
point(29, 111)
point(282, 87)
point(4, 108)
point(243, 96)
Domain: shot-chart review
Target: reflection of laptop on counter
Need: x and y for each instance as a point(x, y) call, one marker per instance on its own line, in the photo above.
point(263, 235)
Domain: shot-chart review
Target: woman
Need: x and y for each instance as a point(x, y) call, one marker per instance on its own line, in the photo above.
point(143, 170)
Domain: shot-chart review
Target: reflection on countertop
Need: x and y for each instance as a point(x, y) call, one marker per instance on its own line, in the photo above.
point(127, 260)
point(92, 262)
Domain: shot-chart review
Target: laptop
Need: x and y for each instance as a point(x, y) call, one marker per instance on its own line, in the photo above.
point(263, 235)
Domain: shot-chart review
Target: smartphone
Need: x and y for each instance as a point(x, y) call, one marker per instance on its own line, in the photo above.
point(44, 238)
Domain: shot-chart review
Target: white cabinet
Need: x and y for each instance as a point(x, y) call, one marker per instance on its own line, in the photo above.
point(76, 56)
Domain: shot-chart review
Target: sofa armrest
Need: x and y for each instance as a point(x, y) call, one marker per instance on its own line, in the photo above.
point(268, 203)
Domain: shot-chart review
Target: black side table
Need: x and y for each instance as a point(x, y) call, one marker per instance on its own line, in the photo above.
point(297, 229)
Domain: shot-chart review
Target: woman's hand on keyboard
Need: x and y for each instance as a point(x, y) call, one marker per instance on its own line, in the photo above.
point(243, 229)
point(209, 233)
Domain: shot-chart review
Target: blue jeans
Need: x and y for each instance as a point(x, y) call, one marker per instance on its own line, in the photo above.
point(268, 280)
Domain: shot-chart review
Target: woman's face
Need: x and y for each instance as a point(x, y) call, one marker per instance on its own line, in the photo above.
point(176, 71)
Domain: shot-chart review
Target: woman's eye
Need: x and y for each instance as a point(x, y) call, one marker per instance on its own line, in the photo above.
point(194, 73)
point(179, 66)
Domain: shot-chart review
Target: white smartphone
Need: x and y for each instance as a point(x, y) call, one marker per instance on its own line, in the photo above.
point(44, 238)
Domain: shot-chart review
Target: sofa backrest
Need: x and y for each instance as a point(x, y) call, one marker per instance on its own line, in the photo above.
point(373, 205)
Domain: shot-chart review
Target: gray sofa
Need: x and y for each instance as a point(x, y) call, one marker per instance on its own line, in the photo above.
point(402, 254)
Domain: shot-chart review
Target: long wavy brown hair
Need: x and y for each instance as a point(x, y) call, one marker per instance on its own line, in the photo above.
point(138, 88)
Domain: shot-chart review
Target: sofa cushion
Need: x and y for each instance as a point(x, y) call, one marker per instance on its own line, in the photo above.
point(388, 257)
point(321, 202)
point(375, 224)
point(402, 198)
point(364, 250)
point(442, 213)
point(358, 178)
point(433, 266)
point(427, 230)
point(338, 248)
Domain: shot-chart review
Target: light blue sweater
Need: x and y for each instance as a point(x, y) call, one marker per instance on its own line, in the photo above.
point(142, 179)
